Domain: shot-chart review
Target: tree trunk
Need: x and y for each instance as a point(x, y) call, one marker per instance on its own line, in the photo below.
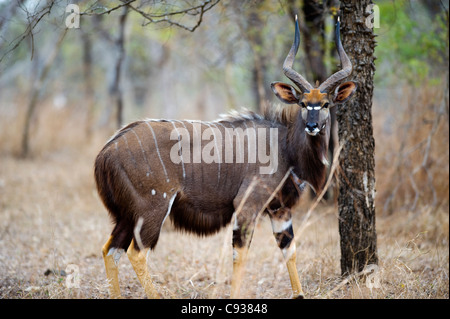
point(357, 164)
point(35, 92)
point(88, 82)
point(256, 40)
point(116, 90)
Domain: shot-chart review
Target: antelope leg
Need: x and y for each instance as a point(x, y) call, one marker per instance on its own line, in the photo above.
point(242, 236)
point(284, 235)
point(111, 257)
point(293, 274)
point(239, 259)
point(139, 262)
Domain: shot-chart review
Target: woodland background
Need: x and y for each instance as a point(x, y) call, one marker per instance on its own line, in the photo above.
point(59, 91)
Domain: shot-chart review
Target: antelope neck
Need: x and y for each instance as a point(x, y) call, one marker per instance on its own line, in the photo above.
point(308, 154)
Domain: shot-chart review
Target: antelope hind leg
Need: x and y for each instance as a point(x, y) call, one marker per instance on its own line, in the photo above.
point(242, 236)
point(139, 262)
point(239, 259)
point(111, 257)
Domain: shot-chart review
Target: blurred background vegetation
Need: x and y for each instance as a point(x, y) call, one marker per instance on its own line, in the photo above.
point(59, 88)
point(60, 91)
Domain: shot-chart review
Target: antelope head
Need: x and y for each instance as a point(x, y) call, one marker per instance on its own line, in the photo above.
point(315, 102)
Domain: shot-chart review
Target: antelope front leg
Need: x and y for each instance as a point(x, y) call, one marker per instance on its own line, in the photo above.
point(284, 235)
point(291, 258)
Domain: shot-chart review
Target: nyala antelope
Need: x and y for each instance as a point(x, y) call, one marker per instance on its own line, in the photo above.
point(141, 185)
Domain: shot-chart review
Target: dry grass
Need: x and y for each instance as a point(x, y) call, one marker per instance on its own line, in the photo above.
point(412, 148)
point(51, 217)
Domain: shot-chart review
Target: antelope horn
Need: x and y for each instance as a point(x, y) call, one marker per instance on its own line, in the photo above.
point(289, 61)
point(346, 65)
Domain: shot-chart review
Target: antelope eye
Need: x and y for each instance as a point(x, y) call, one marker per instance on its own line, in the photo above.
point(325, 105)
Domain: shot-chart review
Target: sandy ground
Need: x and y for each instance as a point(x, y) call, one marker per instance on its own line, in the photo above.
point(53, 225)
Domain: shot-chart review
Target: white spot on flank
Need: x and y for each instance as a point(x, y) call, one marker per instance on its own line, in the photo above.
point(153, 192)
point(164, 195)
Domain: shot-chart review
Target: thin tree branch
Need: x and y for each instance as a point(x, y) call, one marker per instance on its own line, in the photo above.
point(91, 10)
point(164, 18)
point(155, 18)
point(30, 27)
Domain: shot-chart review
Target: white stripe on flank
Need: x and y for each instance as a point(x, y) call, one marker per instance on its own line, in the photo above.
point(129, 151)
point(157, 151)
point(184, 125)
point(182, 163)
point(169, 208)
point(143, 151)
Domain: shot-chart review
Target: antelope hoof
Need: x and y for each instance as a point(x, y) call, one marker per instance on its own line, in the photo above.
point(301, 296)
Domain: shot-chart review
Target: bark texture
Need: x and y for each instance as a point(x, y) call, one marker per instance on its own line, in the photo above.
point(357, 163)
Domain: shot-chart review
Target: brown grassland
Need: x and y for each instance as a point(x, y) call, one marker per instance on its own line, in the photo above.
point(51, 217)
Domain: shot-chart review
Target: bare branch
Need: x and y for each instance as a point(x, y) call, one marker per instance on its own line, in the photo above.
point(92, 9)
point(33, 20)
point(158, 17)
point(167, 17)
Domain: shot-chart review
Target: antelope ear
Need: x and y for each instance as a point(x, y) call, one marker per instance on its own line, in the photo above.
point(285, 92)
point(344, 91)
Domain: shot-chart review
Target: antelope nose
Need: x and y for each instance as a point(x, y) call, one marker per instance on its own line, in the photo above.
point(312, 126)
